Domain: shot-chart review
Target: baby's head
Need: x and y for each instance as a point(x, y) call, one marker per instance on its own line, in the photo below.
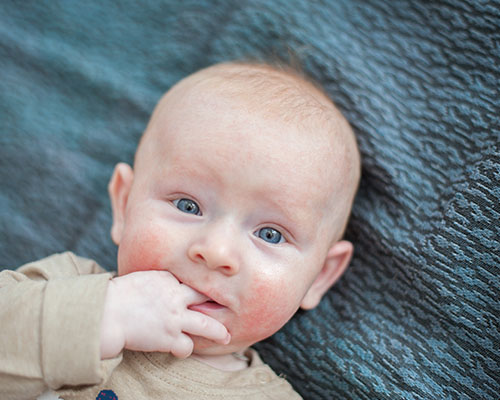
point(242, 186)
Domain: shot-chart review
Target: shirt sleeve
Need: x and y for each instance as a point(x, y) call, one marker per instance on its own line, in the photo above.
point(50, 318)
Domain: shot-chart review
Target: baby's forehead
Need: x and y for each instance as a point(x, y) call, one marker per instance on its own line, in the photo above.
point(292, 107)
point(254, 91)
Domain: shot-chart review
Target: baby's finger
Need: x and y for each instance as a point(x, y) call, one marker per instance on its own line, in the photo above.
point(191, 296)
point(182, 347)
point(199, 324)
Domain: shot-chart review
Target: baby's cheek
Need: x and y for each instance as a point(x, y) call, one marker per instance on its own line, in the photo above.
point(142, 252)
point(269, 307)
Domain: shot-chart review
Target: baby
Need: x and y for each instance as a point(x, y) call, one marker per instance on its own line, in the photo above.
point(230, 220)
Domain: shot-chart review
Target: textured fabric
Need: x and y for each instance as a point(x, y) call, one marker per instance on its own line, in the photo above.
point(417, 314)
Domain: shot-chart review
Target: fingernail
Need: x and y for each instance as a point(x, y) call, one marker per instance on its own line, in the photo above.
point(228, 338)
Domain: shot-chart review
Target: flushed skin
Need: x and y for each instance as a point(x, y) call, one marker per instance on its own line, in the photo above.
point(213, 175)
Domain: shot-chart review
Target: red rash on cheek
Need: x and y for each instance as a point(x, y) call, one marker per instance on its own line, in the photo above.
point(141, 254)
point(267, 309)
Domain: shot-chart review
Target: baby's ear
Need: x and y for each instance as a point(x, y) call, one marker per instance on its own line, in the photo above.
point(336, 262)
point(119, 189)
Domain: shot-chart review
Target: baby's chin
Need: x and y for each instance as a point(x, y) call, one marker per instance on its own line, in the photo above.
point(207, 347)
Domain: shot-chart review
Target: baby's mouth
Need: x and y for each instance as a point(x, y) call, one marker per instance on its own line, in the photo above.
point(208, 305)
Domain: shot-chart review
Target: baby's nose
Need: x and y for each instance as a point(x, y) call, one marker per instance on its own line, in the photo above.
point(217, 251)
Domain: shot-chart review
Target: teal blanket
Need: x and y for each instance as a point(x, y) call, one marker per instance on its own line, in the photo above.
point(417, 314)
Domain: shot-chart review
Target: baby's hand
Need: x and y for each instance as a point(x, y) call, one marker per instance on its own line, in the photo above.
point(148, 311)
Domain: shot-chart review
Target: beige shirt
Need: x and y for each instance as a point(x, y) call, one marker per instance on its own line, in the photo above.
point(50, 316)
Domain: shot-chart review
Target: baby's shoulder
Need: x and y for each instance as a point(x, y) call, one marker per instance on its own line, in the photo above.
point(61, 265)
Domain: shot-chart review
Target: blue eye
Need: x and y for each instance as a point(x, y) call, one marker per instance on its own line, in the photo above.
point(269, 235)
point(187, 206)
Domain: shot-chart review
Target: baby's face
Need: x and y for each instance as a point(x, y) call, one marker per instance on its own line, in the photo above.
point(237, 206)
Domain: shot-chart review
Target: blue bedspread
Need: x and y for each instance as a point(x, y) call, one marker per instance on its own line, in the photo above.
point(417, 314)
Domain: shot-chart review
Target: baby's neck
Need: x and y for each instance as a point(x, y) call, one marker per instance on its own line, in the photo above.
point(224, 362)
